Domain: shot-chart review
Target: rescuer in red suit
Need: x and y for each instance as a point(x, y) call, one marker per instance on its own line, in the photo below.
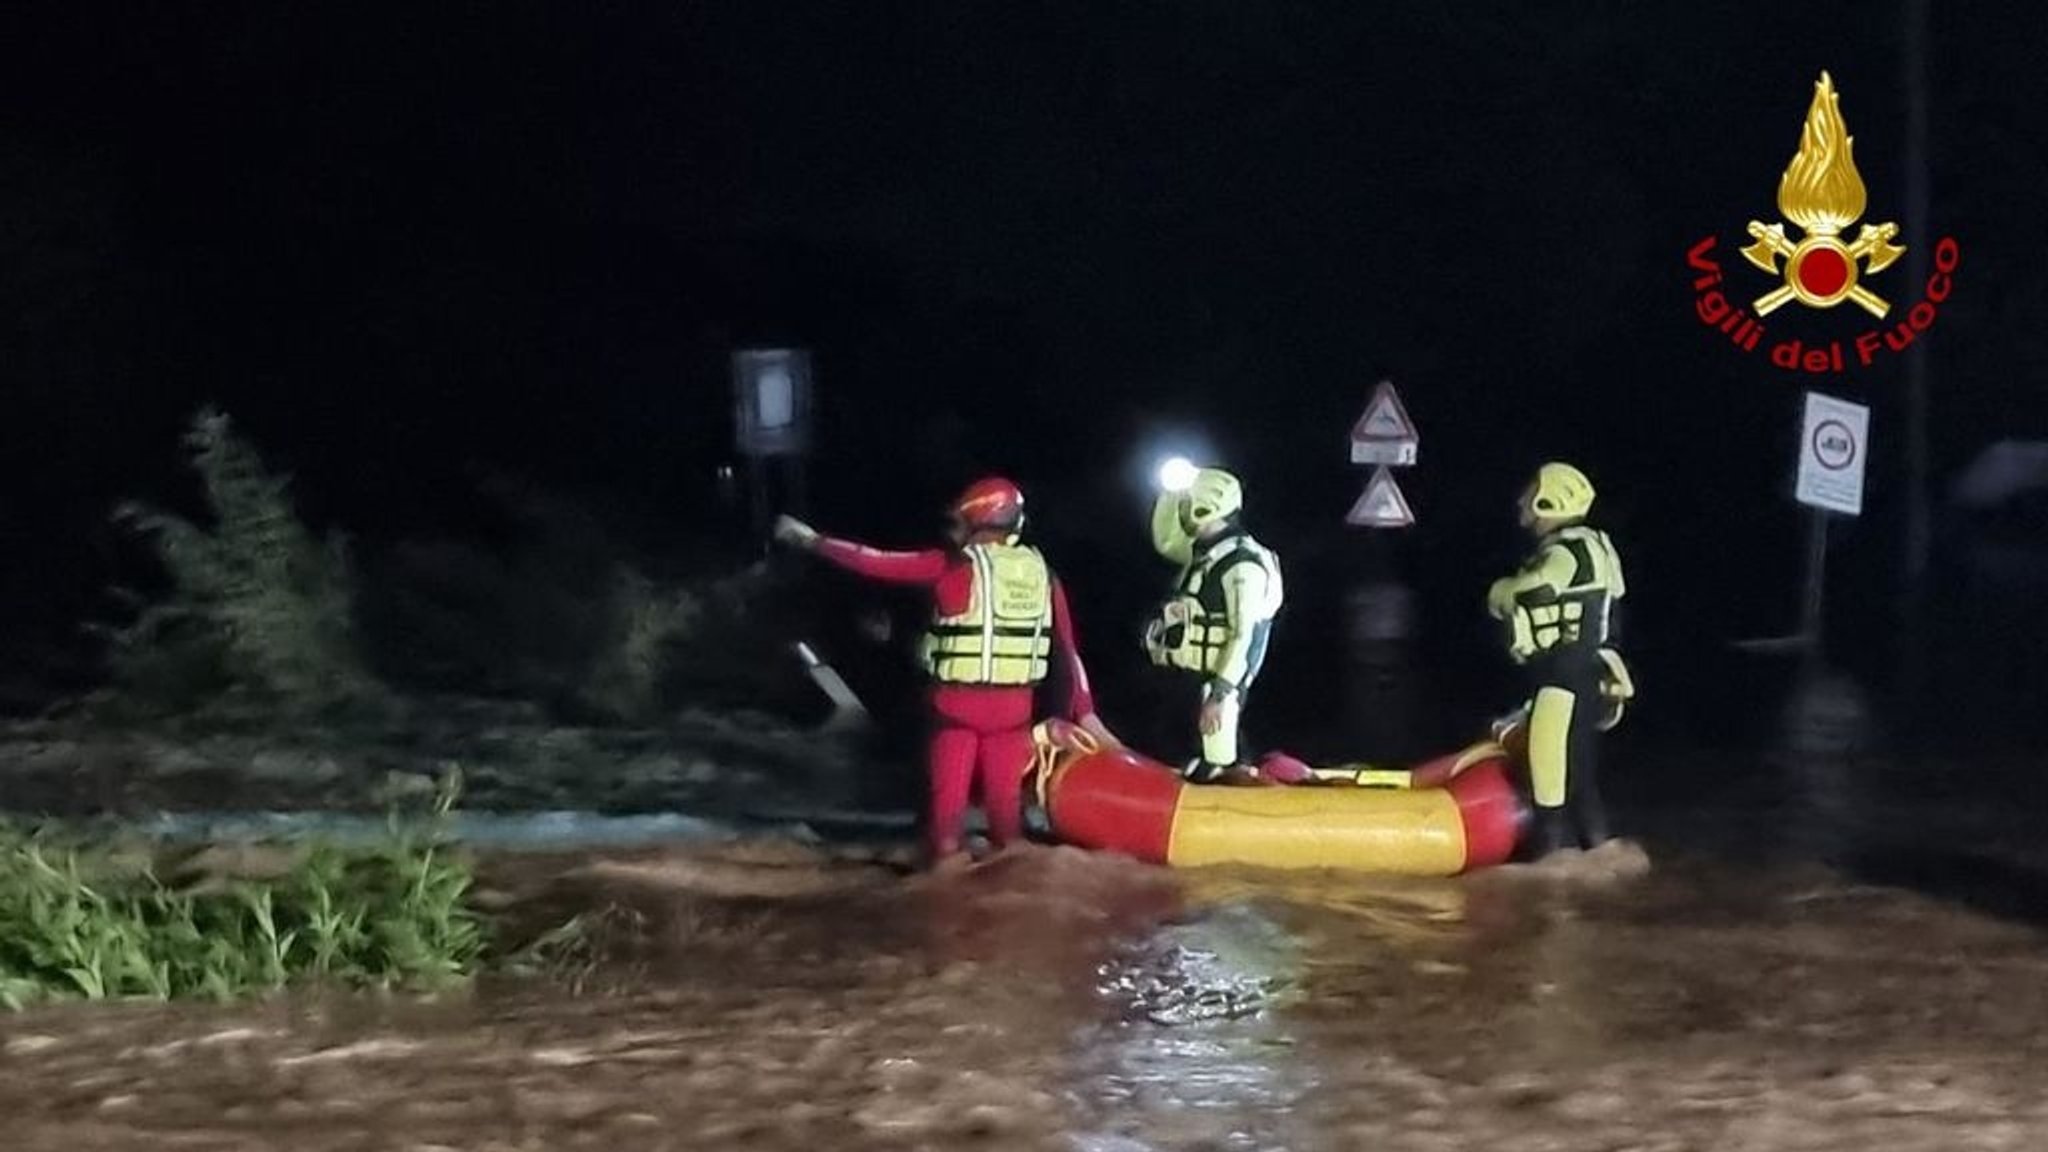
point(999, 622)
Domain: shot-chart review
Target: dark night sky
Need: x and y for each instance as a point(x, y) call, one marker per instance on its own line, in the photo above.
point(394, 240)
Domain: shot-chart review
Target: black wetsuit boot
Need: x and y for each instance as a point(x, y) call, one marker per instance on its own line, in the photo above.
point(1549, 831)
point(1590, 815)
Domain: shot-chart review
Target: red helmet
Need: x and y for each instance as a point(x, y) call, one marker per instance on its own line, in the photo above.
point(990, 504)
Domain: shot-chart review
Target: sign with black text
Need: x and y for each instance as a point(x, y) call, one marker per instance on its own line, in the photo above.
point(1834, 443)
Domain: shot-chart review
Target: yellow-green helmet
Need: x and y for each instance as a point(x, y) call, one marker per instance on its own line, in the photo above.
point(1560, 492)
point(1215, 495)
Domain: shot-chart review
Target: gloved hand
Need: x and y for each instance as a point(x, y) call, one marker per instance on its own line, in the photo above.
point(795, 533)
point(1215, 695)
point(1616, 683)
point(1500, 597)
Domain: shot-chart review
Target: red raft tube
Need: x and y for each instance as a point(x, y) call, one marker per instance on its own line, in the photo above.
point(1450, 815)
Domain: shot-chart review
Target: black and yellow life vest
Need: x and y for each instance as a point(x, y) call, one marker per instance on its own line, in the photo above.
point(1193, 626)
point(1005, 635)
point(1579, 615)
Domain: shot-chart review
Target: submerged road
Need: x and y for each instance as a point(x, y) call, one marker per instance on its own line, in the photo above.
point(769, 994)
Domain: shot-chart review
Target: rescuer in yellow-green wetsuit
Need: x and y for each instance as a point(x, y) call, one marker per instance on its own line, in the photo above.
point(1215, 626)
point(1559, 609)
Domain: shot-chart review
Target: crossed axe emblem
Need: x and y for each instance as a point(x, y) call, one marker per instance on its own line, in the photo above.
point(1873, 248)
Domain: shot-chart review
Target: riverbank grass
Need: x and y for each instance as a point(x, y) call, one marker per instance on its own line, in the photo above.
point(82, 916)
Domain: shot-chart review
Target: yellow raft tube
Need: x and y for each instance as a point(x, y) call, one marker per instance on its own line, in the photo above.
point(1450, 815)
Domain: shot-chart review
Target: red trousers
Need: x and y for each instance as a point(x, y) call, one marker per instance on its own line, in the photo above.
point(985, 733)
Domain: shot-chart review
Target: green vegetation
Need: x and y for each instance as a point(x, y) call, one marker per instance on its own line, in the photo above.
point(258, 623)
point(77, 921)
point(264, 659)
point(260, 612)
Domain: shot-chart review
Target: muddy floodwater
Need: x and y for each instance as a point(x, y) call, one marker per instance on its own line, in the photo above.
point(779, 996)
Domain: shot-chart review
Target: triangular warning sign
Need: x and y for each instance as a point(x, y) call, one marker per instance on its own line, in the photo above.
point(1385, 418)
point(1381, 505)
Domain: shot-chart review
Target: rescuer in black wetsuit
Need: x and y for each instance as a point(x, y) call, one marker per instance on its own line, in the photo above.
point(1559, 611)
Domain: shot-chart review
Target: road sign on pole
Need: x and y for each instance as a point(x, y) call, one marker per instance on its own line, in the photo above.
point(1381, 505)
point(772, 401)
point(1384, 435)
point(1834, 444)
point(772, 424)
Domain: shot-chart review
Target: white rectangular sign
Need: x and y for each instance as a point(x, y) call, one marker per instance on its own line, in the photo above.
point(1834, 444)
point(772, 401)
point(1400, 453)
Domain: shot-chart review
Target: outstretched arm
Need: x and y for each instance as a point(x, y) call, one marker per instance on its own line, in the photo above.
point(924, 567)
point(921, 567)
point(891, 566)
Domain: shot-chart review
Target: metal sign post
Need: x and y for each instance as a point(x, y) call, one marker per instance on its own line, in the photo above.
point(772, 422)
point(1379, 608)
point(1834, 445)
point(1824, 716)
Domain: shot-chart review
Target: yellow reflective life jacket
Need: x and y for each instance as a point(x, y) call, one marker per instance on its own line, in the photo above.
point(1005, 635)
point(1193, 626)
point(1577, 615)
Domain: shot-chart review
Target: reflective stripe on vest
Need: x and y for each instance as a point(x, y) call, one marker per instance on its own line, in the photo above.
point(1005, 635)
point(1193, 628)
point(1579, 615)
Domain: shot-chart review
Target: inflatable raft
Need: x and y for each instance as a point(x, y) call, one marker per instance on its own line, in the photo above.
point(1450, 815)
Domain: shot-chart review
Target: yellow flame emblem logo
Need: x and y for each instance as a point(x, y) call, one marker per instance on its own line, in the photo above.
point(1822, 193)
